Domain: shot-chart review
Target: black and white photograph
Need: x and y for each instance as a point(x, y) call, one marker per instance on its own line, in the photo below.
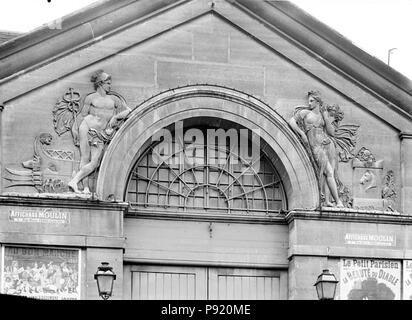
point(206, 150)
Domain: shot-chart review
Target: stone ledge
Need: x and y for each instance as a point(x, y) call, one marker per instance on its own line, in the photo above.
point(78, 241)
point(222, 264)
point(60, 201)
point(346, 214)
point(338, 251)
point(229, 218)
point(405, 135)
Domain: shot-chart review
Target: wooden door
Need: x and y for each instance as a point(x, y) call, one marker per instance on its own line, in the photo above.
point(145, 282)
point(165, 283)
point(247, 284)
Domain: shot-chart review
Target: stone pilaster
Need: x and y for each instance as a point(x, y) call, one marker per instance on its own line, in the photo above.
point(1, 146)
point(406, 172)
point(303, 272)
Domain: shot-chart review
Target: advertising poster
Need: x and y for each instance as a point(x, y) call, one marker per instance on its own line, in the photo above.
point(41, 273)
point(370, 279)
point(407, 280)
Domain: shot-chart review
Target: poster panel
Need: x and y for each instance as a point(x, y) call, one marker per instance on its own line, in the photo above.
point(370, 279)
point(42, 273)
point(407, 280)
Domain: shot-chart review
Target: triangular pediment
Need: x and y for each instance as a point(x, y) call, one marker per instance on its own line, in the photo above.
point(254, 46)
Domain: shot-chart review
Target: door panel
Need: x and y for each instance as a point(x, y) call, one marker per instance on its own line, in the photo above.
point(171, 283)
point(144, 282)
point(249, 284)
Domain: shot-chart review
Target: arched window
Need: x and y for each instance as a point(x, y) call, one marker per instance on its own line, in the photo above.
point(206, 175)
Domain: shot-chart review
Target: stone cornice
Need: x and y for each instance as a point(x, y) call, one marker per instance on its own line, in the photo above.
point(92, 23)
point(222, 218)
point(83, 26)
point(61, 202)
point(63, 240)
point(349, 215)
point(221, 264)
point(68, 22)
point(337, 51)
point(405, 135)
point(330, 35)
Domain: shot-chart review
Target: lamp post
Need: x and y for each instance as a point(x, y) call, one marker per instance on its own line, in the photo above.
point(105, 278)
point(326, 285)
point(389, 54)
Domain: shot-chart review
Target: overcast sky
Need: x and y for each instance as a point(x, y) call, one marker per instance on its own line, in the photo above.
point(373, 25)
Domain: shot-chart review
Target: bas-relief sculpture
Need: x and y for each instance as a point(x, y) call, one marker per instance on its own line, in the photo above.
point(372, 190)
point(92, 124)
point(366, 180)
point(369, 170)
point(46, 171)
point(328, 142)
point(94, 119)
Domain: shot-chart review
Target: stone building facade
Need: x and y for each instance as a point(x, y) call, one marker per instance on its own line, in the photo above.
point(108, 153)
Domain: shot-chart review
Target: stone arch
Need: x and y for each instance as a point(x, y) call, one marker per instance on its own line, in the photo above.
point(173, 105)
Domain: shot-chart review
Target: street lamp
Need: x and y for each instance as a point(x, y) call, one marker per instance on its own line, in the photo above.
point(389, 54)
point(105, 278)
point(326, 285)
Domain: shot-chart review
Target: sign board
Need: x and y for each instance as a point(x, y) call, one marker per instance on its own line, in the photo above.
point(42, 273)
point(47, 215)
point(407, 280)
point(370, 279)
point(385, 240)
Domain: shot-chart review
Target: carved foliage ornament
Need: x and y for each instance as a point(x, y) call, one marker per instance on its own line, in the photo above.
point(388, 191)
point(65, 111)
point(365, 159)
point(365, 156)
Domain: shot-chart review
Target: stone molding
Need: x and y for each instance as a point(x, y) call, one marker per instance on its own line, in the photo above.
point(145, 120)
point(202, 263)
point(85, 224)
point(89, 24)
point(75, 241)
point(161, 215)
point(338, 51)
point(405, 135)
point(26, 200)
point(348, 215)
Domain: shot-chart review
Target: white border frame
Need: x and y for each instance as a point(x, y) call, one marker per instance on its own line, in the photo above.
point(2, 268)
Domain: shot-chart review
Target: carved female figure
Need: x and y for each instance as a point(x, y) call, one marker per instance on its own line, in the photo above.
point(314, 127)
point(94, 126)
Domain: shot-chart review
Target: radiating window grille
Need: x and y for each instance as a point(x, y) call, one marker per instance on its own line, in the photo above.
point(205, 178)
